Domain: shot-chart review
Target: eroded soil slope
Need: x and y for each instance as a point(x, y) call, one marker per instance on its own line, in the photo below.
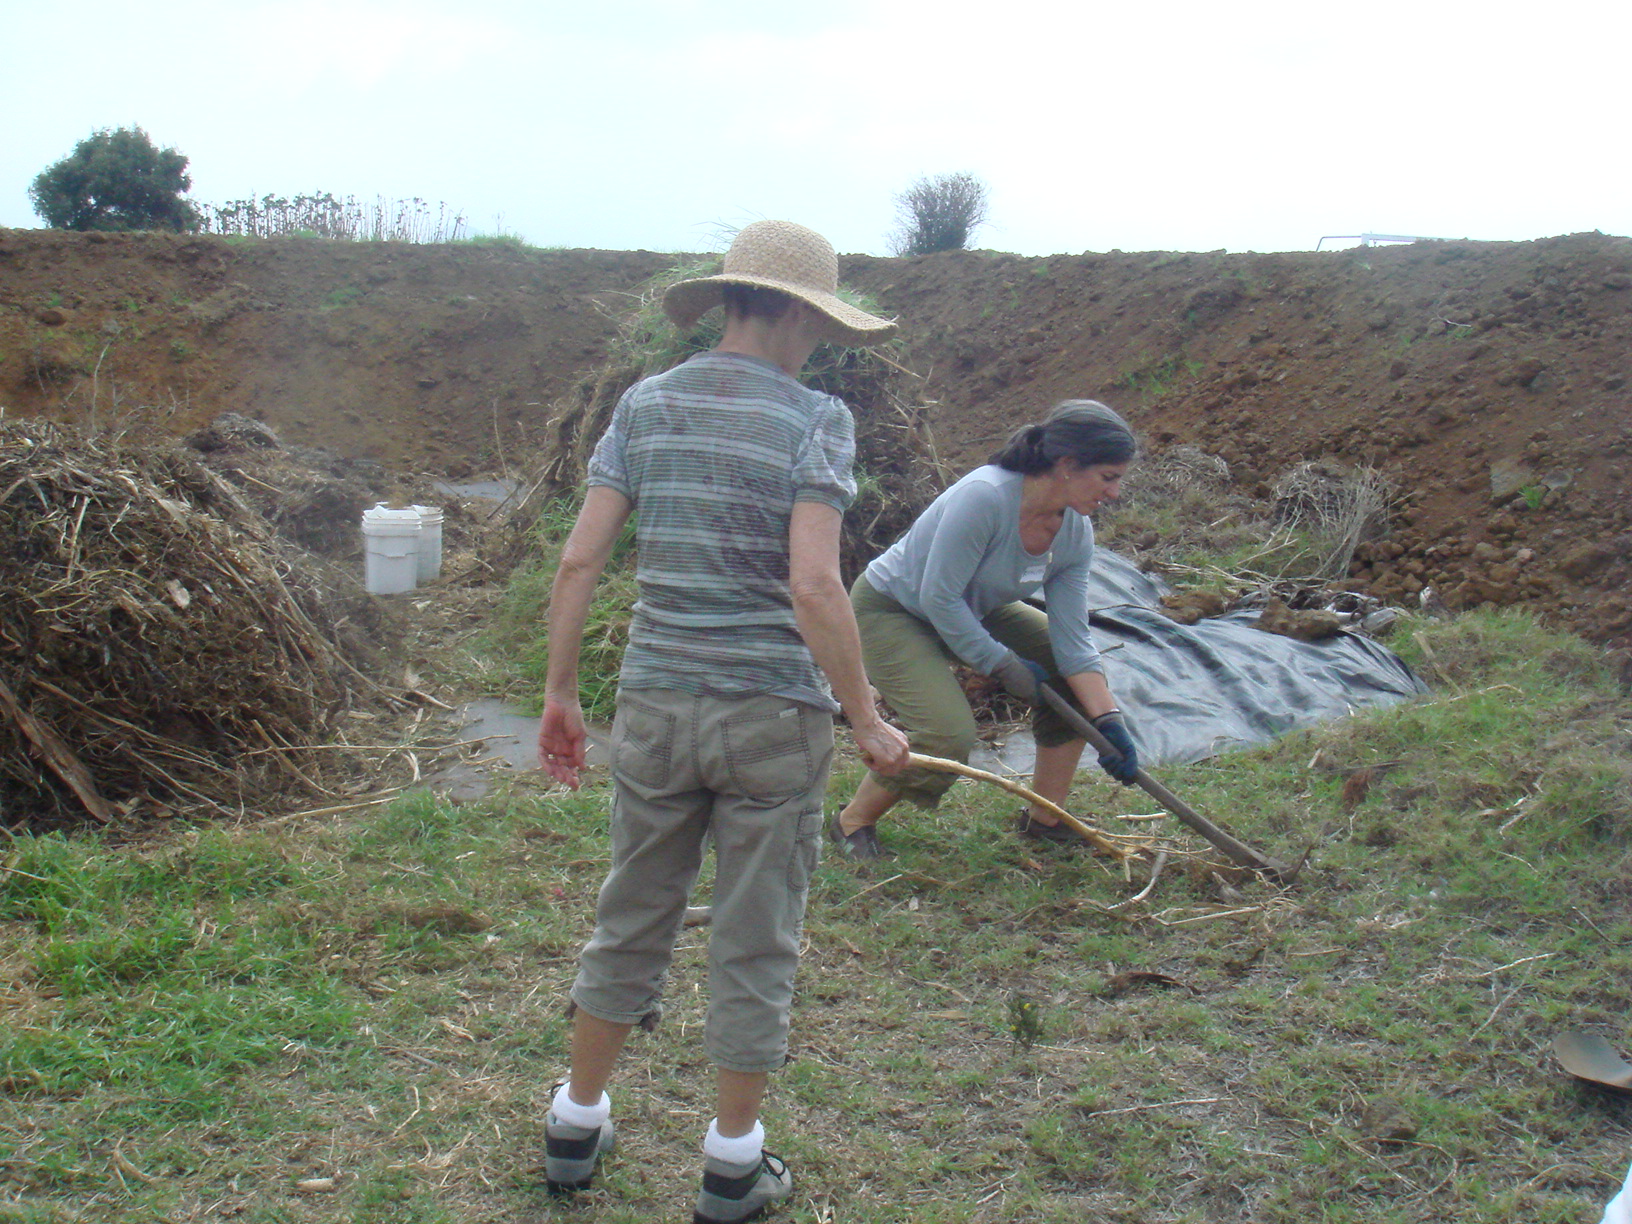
point(424, 357)
point(1488, 380)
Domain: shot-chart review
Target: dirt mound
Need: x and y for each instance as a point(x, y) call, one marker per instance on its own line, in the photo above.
point(414, 356)
point(1486, 381)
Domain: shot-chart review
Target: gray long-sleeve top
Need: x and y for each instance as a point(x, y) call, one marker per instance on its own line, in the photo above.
point(963, 557)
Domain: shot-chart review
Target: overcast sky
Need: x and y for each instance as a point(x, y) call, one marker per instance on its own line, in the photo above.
point(660, 124)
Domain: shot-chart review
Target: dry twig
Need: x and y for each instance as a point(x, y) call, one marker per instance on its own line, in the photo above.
point(1112, 844)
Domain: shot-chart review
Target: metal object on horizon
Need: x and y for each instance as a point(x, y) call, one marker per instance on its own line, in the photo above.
point(1377, 239)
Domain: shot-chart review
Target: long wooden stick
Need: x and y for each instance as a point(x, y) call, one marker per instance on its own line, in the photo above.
point(1088, 833)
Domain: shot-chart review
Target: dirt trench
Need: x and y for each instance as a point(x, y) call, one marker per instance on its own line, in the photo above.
point(1488, 381)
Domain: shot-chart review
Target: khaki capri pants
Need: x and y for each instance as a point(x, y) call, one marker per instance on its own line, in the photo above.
point(749, 773)
point(912, 668)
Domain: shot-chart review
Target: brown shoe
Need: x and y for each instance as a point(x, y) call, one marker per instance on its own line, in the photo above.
point(862, 845)
point(1049, 835)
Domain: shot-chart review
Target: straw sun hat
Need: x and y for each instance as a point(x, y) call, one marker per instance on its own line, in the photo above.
point(780, 255)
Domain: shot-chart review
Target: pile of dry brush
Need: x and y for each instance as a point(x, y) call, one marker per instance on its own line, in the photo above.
point(160, 649)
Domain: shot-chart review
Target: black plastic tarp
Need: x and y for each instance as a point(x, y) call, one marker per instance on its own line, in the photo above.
point(1192, 691)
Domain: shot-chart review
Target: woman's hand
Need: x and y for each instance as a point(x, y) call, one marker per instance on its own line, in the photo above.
point(1020, 677)
point(1124, 764)
point(883, 748)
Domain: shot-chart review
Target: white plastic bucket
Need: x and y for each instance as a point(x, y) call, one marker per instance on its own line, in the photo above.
point(390, 550)
point(430, 542)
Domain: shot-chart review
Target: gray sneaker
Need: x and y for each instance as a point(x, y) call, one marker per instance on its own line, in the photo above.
point(733, 1192)
point(570, 1153)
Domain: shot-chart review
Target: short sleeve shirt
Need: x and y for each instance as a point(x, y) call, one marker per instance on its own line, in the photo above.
point(714, 454)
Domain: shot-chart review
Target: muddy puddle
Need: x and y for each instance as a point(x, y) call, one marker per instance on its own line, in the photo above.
point(501, 491)
point(501, 739)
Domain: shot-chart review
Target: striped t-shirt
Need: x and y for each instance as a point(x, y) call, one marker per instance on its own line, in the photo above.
point(714, 453)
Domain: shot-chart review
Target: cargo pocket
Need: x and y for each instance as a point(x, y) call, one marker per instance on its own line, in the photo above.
point(642, 746)
point(768, 751)
point(807, 851)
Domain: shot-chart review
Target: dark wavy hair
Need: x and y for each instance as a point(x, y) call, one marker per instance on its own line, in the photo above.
point(1085, 431)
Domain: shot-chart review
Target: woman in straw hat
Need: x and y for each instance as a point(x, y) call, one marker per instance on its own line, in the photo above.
point(724, 725)
point(953, 588)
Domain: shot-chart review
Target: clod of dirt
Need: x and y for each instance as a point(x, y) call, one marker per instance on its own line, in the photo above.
point(1356, 787)
point(1188, 607)
point(1386, 1121)
point(1308, 625)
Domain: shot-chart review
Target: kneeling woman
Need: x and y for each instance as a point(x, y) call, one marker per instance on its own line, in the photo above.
point(952, 589)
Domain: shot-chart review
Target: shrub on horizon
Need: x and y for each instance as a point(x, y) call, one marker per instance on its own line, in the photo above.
point(116, 179)
point(938, 214)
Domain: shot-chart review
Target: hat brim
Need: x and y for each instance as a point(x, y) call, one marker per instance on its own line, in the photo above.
point(688, 301)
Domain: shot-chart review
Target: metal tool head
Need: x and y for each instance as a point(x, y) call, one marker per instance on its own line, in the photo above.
point(1588, 1056)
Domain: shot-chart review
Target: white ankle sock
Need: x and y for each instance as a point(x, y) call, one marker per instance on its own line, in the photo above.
point(738, 1149)
point(573, 1114)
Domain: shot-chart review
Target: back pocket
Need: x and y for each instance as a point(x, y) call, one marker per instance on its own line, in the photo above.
point(642, 746)
point(768, 752)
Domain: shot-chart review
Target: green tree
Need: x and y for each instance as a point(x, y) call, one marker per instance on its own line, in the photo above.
point(116, 180)
point(938, 214)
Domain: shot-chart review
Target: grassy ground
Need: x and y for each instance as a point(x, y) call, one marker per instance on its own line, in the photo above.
point(359, 1018)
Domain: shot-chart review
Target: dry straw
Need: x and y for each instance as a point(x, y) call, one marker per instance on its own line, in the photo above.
point(160, 650)
point(1337, 508)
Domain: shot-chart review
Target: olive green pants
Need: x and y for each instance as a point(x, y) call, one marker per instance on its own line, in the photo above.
point(912, 668)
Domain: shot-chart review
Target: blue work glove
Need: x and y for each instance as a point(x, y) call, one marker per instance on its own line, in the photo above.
point(1124, 767)
point(1020, 677)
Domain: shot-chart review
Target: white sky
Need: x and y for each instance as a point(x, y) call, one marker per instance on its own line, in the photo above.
point(655, 124)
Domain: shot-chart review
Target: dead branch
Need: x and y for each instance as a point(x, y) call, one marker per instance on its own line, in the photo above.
point(1108, 843)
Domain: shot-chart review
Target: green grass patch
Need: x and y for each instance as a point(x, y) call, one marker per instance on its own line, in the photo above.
point(498, 242)
point(343, 296)
point(360, 1017)
point(518, 634)
point(1154, 379)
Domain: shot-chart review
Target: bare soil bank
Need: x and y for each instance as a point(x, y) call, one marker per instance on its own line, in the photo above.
point(1488, 380)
